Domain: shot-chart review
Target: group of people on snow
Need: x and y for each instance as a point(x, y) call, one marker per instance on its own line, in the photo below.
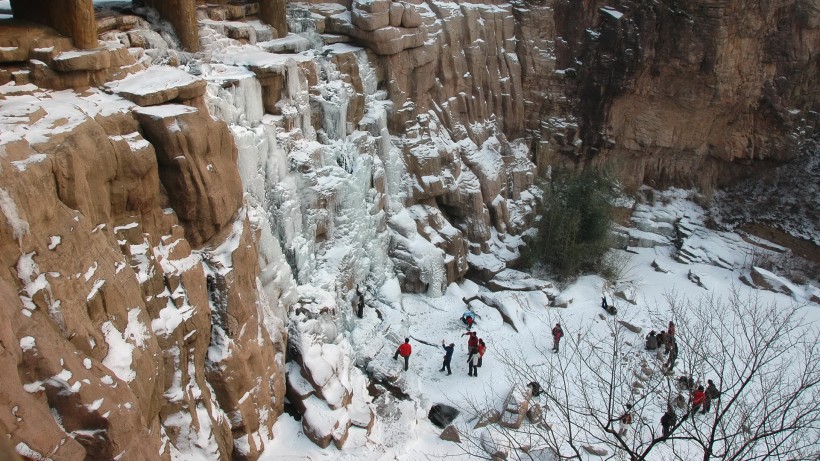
point(475, 354)
point(475, 347)
point(701, 397)
point(665, 339)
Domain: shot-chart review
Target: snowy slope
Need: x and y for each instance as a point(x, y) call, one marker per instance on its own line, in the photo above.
point(409, 435)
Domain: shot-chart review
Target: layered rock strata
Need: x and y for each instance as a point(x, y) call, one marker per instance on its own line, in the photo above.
point(134, 322)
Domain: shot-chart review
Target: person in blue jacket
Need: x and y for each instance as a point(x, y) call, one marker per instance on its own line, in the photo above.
point(448, 355)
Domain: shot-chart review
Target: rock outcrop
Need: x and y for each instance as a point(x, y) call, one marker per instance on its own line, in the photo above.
point(688, 93)
point(131, 304)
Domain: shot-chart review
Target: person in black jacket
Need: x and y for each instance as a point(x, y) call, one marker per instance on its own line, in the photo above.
point(360, 301)
point(712, 393)
point(668, 420)
point(448, 355)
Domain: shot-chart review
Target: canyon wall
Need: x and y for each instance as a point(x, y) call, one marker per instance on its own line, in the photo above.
point(183, 234)
point(691, 93)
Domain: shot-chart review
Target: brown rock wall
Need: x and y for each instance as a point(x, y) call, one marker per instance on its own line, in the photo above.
point(197, 166)
point(107, 309)
point(693, 93)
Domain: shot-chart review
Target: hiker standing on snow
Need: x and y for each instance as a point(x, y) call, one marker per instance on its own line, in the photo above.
point(481, 349)
point(557, 334)
point(472, 340)
point(712, 393)
point(448, 355)
point(651, 341)
point(698, 398)
point(670, 333)
point(673, 355)
point(472, 362)
point(625, 420)
point(404, 350)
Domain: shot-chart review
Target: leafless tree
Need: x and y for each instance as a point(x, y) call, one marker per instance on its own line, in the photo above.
point(762, 356)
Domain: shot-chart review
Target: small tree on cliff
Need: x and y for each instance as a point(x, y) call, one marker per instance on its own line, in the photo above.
point(574, 230)
point(763, 358)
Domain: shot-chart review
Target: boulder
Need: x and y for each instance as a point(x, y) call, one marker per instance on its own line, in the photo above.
point(442, 415)
point(630, 327)
point(410, 17)
point(490, 417)
point(659, 268)
point(535, 414)
point(515, 407)
point(396, 12)
point(158, 85)
point(769, 281)
point(450, 434)
point(367, 21)
point(70, 61)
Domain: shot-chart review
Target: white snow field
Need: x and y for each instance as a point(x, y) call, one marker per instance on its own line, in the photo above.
point(407, 434)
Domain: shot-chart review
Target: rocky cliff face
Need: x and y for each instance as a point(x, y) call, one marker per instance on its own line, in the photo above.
point(173, 235)
point(688, 93)
point(133, 324)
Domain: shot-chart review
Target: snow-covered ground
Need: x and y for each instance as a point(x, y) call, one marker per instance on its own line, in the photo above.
point(409, 434)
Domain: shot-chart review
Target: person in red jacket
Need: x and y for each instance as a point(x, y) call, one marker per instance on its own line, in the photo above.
point(481, 349)
point(404, 350)
point(472, 340)
point(698, 397)
point(557, 334)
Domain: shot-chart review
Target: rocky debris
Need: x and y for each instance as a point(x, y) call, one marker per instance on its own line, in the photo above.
point(767, 280)
point(630, 327)
point(659, 268)
point(515, 407)
point(442, 415)
point(535, 414)
point(490, 417)
point(695, 278)
point(450, 434)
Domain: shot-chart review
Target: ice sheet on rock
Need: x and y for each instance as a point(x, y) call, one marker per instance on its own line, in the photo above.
point(611, 12)
point(19, 226)
point(166, 110)
point(292, 43)
point(253, 56)
point(152, 80)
